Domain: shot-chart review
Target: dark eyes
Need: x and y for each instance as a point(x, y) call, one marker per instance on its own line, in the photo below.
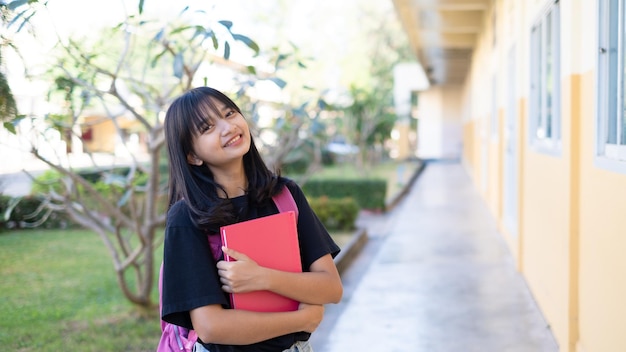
point(207, 127)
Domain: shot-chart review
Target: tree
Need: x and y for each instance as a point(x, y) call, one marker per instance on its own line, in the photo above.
point(370, 116)
point(131, 73)
point(369, 121)
point(8, 107)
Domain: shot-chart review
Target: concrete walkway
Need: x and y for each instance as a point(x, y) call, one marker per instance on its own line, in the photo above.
point(434, 276)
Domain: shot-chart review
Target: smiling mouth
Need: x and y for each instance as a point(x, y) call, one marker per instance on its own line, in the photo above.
point(232, 141)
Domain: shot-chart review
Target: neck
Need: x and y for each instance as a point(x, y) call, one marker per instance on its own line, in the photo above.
point(234, 182)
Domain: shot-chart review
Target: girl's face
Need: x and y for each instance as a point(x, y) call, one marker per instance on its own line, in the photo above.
point(222, 143)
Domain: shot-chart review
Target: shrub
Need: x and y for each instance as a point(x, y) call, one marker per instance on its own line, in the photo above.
point(48, 179)
point(368, 193)
point(335, 213)
point(27, 212)
point(111, 184)
point(298, 166)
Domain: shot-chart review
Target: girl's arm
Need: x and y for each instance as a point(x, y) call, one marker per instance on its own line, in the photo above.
point(214, 324)
point(320, 285)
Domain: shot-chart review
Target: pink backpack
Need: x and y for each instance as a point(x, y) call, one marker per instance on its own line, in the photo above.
point(176, 338)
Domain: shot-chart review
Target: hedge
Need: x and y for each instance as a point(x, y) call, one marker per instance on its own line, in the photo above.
point(336, 202)
point(26, 214)
point(368, 193)
point(335, 214)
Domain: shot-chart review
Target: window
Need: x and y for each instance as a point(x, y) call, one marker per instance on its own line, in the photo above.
point(545, 81)
point(494, 108)
point(611, 116)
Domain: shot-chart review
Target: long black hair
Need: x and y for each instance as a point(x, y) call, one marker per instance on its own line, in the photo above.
point(185, 118)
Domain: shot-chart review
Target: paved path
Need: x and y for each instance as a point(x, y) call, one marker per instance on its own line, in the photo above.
point(435, 276)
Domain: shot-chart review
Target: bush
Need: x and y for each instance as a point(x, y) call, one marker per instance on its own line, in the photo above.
point(27, 214)
point(47, 180)
point(298, 166)
point(335, 214)
point(108, 184)
point(111, 184)
point(368, 193)
point(106, 180)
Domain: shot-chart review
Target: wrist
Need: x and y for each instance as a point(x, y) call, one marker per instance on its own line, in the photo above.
point(265, 279)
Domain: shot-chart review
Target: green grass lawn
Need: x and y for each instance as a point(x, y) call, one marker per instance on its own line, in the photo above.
point(58, 290)
point(59, 293)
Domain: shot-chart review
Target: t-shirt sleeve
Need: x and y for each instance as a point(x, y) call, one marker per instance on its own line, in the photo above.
point(315, 241)
point(190, 278)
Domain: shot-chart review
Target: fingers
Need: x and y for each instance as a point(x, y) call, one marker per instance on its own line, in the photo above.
point(237, 256)
point(240, 275)
point(234, 254)
point(315, 314)
point(226, 285)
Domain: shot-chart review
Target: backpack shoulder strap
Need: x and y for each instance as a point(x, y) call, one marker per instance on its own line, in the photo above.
point(163, 323)
point(284, 201)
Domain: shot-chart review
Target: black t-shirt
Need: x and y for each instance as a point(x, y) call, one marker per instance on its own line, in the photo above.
point(190, 278)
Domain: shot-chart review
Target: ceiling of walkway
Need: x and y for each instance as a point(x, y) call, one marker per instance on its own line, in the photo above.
point(443, 34)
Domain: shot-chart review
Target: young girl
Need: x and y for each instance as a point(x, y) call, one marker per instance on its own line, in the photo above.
point(217, 177)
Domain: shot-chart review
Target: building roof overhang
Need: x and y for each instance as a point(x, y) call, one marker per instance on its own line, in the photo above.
point(443, 34)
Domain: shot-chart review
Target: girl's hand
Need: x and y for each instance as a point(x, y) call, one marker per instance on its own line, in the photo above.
point(315, 313)
point(242, 275)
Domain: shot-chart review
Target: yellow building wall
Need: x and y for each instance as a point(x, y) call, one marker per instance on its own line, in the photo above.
point(602, 294)
point(543, 245)
point(550, 223)
point(514, 240)
point(103, 137)
point(481, 155)
point(545, 239)
point(468, 146)
point(571, 231)
point(493, 179)
point(496, 155)
point(571, 110)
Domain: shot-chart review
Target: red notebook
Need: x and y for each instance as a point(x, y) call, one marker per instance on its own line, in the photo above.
point(272, 242)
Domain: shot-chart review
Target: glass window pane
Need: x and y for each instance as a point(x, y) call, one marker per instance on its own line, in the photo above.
point(549, 75)
point(623, 135)
point(622, 110)
point(540, 83)
point(613, 73)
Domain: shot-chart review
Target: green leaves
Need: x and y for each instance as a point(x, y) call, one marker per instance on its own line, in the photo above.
point(22, 16)
point(238, 37)
point(178, 42)
point(178, 65)
point(249, 42)
point(279, 82)
point(12, 124)
point(227, 24)
point(226, 51)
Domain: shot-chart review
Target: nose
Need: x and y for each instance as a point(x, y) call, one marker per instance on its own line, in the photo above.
point(226, 127)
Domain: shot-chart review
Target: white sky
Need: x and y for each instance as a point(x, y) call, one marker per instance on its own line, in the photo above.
point(322, 29)
point(79, 16)
point(325, 30)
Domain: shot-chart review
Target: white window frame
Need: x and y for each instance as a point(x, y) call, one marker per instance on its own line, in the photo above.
point(545, 134)
point(610, 106)
point(494, 108)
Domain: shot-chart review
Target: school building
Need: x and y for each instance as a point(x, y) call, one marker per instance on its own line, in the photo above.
point(529, 95)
